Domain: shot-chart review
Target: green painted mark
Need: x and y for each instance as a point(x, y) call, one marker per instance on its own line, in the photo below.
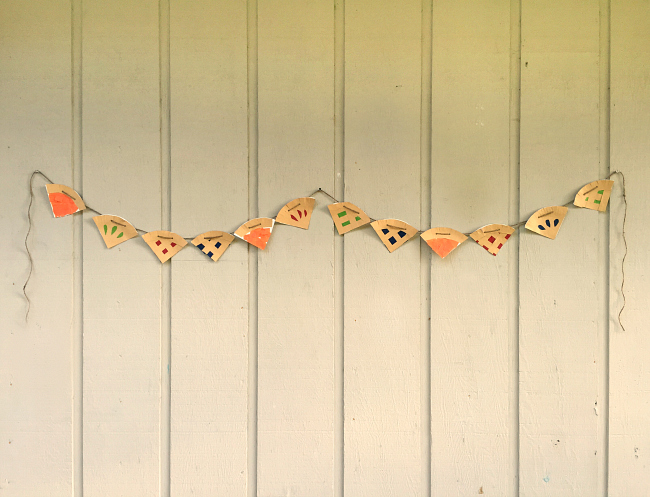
point(357, 218)
point(586, 199)
point(120, 235)
point(105, 229)
point(345, 223)
point(344, 213)
point(600, 192)
point(113, 230)
point(596, 201)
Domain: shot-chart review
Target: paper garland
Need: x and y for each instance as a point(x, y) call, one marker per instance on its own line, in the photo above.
point(547, 221)
point(443, 240)
point(213, 243)
point(114, 229)
point(492, 237)
point(257, 232)
point(297, 213)
point(64, 200)
point(346, 216)
point(164, 244)
point(393, 232)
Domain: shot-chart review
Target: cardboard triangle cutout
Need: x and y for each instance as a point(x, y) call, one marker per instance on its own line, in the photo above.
point(213, 243)
point(114, 229)
point(492, 237)
point(297, 212)
point(256, 231)
point(595, 195)
point(164, 244)
point(393, 232)
point(443, 240)
point(547, 221)
point(64, 200)
point(347, 216)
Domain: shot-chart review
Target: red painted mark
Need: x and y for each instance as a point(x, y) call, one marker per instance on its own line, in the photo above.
point(486, 248)
point(158, 242)
point(294, 218)
point(491, 239)
point(258, 237)
point(305, 212)
point(507, 236)
point(300, 213)
point(165, 251)
point(62, 205)
point(173, 244)
point(500, 245)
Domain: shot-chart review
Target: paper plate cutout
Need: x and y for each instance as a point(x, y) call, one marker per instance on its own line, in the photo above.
point(393, 232)
point(164, 244)
point(256, 231)
point(297, 212)
point(443, 240)
point(114, 229)
point(347, 216)
point(547, 221)
point(64, 200)
point(492, 237)
point(595, 195)
point(213, 243)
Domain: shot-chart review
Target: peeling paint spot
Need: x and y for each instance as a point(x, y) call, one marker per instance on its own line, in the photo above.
point(480, 490)
point(546, 479)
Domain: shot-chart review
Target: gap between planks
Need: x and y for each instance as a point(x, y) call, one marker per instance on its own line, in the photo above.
point(166, 269)
point(77, 287)
point(513, 262)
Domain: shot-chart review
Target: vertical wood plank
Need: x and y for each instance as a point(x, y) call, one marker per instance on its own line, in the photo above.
point(209, 299)
point(382, 290)
point(629, 440)
point(122, 291)
point(296, 320)
point(35, 356)
point(470, 374)
point(559, 307)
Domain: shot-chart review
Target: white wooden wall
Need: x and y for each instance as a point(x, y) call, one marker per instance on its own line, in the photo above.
point(324, 366)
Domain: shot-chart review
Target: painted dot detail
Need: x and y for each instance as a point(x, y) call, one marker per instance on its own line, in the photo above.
point(158, 242)
point(491, 239)
point(165, 251)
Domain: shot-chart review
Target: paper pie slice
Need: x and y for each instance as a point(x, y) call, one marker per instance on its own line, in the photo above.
point(64, 200)
point(114, 229)
point(297, 212)
point(595, 195)
point(164, 244)
point(547, 221)
point(347, 216)
point(492, 237)
point(256, 231)
point(443, 240)
point(213, 243)
point(393, 232)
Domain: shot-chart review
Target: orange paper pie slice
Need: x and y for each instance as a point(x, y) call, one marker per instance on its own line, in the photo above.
point(164, 244)
point(114, 229)
point(213, 243)
point(595, 195)
point(393, 232)
point(547, 221)
point(256, 231)
point(297, 212)
point(347, 216)
point(443, 240)
point(64, 200)
point(492, 237)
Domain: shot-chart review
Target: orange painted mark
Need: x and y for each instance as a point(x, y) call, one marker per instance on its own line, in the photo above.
point(258, 237)
point(62, 205)
point(442, 246)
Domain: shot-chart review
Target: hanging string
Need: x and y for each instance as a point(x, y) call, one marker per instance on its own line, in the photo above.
point(320, 190)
